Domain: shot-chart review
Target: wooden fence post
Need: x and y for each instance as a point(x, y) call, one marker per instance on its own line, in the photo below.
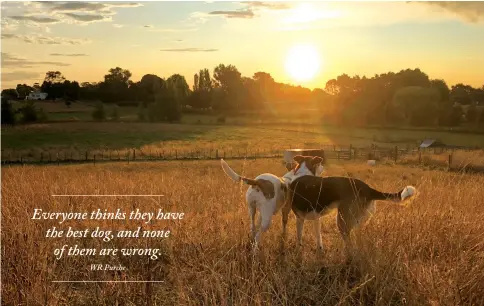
point(216, 154)
point(450, 161)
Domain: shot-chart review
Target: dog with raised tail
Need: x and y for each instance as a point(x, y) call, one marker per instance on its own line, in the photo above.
point(267, 191)
point(311, 197)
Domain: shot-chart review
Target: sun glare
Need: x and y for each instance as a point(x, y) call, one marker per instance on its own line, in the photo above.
point(302, 62)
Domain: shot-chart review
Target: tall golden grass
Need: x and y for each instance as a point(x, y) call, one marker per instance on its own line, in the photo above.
point(430, 252)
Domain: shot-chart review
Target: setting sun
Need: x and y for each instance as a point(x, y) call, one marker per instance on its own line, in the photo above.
point(302, 62)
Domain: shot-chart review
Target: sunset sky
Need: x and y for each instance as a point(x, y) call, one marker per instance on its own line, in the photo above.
point(84, 40)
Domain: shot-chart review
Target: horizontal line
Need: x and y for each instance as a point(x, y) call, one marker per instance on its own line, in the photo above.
point(104, 281)
point(108, 195)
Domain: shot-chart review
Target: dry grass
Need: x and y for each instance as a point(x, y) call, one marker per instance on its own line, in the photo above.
point(430, 252)
point(471, 160)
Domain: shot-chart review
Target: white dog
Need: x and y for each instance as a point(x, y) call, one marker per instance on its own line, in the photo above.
point(267, 191)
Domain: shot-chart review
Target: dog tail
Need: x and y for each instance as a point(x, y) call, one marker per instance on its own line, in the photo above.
point(234, 176)
point(404, 194)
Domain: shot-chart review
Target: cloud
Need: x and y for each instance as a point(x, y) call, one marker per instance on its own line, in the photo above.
point(151, 28)
point(19, 76)
point(470, 11)
point(118, 25)
point(123, 4)
point(189, 50)
point(246, 14)
point(41, 20)
point(68, 54)
point(77, 6)
point(45, 40)
point(79, 12)
point(268, 5)
point(87, 18)
point(9, 60)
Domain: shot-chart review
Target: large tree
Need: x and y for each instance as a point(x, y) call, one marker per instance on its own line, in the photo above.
point(418, 105)
point(115, 85)
point(229, 80)
point(180, 86)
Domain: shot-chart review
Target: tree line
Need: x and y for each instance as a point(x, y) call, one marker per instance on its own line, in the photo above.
point(408, 97)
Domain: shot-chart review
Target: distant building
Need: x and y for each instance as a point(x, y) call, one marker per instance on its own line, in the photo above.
point(432, 143)
point(36, 95)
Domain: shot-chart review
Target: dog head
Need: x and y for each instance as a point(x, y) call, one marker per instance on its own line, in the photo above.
point(313, 164)
point(305, 165)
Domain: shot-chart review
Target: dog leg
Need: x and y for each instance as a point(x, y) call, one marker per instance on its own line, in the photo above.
point(317, 232)
point(252, 211)
point(258, 233)
point(299, 227)
point(286, 209)
point(264, 223)
point(344, 225)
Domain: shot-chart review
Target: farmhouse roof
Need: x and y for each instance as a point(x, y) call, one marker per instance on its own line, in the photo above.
point(432, 143)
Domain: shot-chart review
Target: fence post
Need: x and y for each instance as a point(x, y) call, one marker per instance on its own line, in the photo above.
point(94, 160)
point(216, 154)
point(419, 156)
point(450, 161)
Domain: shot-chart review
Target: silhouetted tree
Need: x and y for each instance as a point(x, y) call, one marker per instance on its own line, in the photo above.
point(9, 94)
point(418, 105)
point(461, 94)
point(8, 114)
point(179, 85)
point(115, 85)
point(23, 90)
point(229, 80)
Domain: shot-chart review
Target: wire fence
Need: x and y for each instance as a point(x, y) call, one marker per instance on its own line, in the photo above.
point(331, 152)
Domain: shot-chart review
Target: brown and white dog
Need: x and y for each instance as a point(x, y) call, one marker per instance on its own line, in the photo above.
point(311, 197)
point(267, 191)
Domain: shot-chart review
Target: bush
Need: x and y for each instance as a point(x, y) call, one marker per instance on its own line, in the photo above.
point(472, 114)
point(99, 113)
point(115, 113)
point(141, 112)
point(29, 113)
point(8, 115)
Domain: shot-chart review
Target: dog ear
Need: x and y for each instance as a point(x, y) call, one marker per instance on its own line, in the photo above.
point(316, 160)
point(290, 166)
point(298, 158)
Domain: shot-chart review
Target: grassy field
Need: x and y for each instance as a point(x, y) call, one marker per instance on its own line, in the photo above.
point(155, 137)
point(429, 252)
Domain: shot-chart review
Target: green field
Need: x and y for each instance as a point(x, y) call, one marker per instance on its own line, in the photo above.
point(72, 129)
